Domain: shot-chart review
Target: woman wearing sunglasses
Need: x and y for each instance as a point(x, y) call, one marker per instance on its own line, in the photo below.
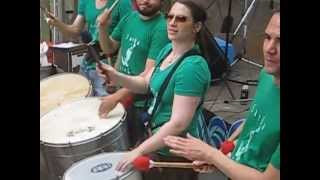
point(179, 108)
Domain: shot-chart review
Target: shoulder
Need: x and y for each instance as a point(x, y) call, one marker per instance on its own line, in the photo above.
point(160, 22)
point(195, 64)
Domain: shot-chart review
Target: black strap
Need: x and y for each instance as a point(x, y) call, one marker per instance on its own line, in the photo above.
point(166, 81)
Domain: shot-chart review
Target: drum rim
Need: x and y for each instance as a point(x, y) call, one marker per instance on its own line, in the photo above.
point(124, 175)
point(123, 118)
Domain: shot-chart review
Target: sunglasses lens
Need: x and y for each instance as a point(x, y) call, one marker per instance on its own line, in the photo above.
point(179, 19)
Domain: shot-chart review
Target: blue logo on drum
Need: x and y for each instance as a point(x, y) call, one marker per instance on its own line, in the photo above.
point(101, 167)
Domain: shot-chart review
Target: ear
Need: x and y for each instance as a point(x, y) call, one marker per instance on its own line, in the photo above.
point(197, 27)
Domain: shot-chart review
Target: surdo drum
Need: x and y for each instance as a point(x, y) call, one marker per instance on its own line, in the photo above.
point(62, 88)
point(75, 131)
point(100, 167)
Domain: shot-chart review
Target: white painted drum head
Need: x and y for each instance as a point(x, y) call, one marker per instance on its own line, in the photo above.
point(77, 121)
point(62, 88)
point(98, 167)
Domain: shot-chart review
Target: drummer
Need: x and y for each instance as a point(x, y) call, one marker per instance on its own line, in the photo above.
point(87, 13)
point(257, 150)
point(179, 108)
point(139, 36)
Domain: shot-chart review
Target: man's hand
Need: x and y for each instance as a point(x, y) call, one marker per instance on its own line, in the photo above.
point(51, 19)
point(203, 167)
point(103, 20)
point(190, 148)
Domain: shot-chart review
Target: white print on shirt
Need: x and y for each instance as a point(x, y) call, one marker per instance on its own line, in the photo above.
point(244, 145)
point(127, 56)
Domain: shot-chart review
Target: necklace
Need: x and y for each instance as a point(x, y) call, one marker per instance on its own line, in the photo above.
point(173, 58)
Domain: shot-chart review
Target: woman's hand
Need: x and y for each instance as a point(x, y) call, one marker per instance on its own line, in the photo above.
point(107, 72)
point(108, 103)
point(190, 148)
point(128, 159)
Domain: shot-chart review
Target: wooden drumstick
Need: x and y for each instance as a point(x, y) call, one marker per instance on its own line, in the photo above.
point(171, 164)
point(104, 13)
point(144, 163)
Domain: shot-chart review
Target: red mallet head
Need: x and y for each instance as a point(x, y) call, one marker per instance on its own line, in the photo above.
point(227, 146)
point(141, 163)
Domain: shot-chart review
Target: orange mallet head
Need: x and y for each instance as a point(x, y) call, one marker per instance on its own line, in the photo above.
point(142, 163)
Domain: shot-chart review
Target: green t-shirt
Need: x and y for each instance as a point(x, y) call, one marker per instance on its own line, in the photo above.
point(191, 78)
point(140, 39)
point(88, 10)
point(259, 142)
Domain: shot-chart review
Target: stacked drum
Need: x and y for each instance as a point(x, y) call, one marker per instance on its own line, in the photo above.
point(70, 127)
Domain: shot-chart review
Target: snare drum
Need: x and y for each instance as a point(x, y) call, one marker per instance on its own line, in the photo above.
point(62, 88)
point(74, 131)
point(100, 167)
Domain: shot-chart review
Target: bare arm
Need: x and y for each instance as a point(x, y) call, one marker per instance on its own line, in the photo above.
point(179, 121)
point(139, 83)
point(237, 171)
point(69, 30)
point(107, 44)
point(194, 149)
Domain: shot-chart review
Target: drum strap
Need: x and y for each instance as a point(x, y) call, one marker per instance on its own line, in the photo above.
point(165, 84)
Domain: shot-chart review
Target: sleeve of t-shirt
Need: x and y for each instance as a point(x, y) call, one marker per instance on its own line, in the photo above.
point(125, 7)
point(275, 159)
point(81, 7)
point(117, 31)
point(121, 10)
point(159, 40)
point(192, 77)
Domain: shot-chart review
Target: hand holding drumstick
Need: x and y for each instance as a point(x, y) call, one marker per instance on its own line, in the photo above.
point(103, 20)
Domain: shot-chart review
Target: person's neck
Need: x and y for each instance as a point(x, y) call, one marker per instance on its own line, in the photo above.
point(179, 48)
point(149, 17)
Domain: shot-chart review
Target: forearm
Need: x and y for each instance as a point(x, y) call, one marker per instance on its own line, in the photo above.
point(136, 84)
point(68, 30)
point(107, 45)
point(155, 142)
point(232, 169)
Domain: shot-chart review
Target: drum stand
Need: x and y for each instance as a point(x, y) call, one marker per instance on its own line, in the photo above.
point(243, 21)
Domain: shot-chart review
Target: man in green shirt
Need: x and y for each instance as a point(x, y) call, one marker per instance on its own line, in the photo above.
point(140, 36)
point(257, 151)
point(88, 11)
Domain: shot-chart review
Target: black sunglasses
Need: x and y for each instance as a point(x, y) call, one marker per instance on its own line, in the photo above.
point(178, 18)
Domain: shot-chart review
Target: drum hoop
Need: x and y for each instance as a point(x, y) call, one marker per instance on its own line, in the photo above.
point(121, 121)
point(69, 73)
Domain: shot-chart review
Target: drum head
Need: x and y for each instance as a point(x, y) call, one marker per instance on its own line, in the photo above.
point(77, 121)
point(98, 167)
point(62, 88)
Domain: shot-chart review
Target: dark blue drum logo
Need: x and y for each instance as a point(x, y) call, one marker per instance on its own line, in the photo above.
point(101, 167)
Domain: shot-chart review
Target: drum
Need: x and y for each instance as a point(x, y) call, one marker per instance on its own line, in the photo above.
point(62, 88)
point(74, 131)
point(100, 167)
point(46, 71)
